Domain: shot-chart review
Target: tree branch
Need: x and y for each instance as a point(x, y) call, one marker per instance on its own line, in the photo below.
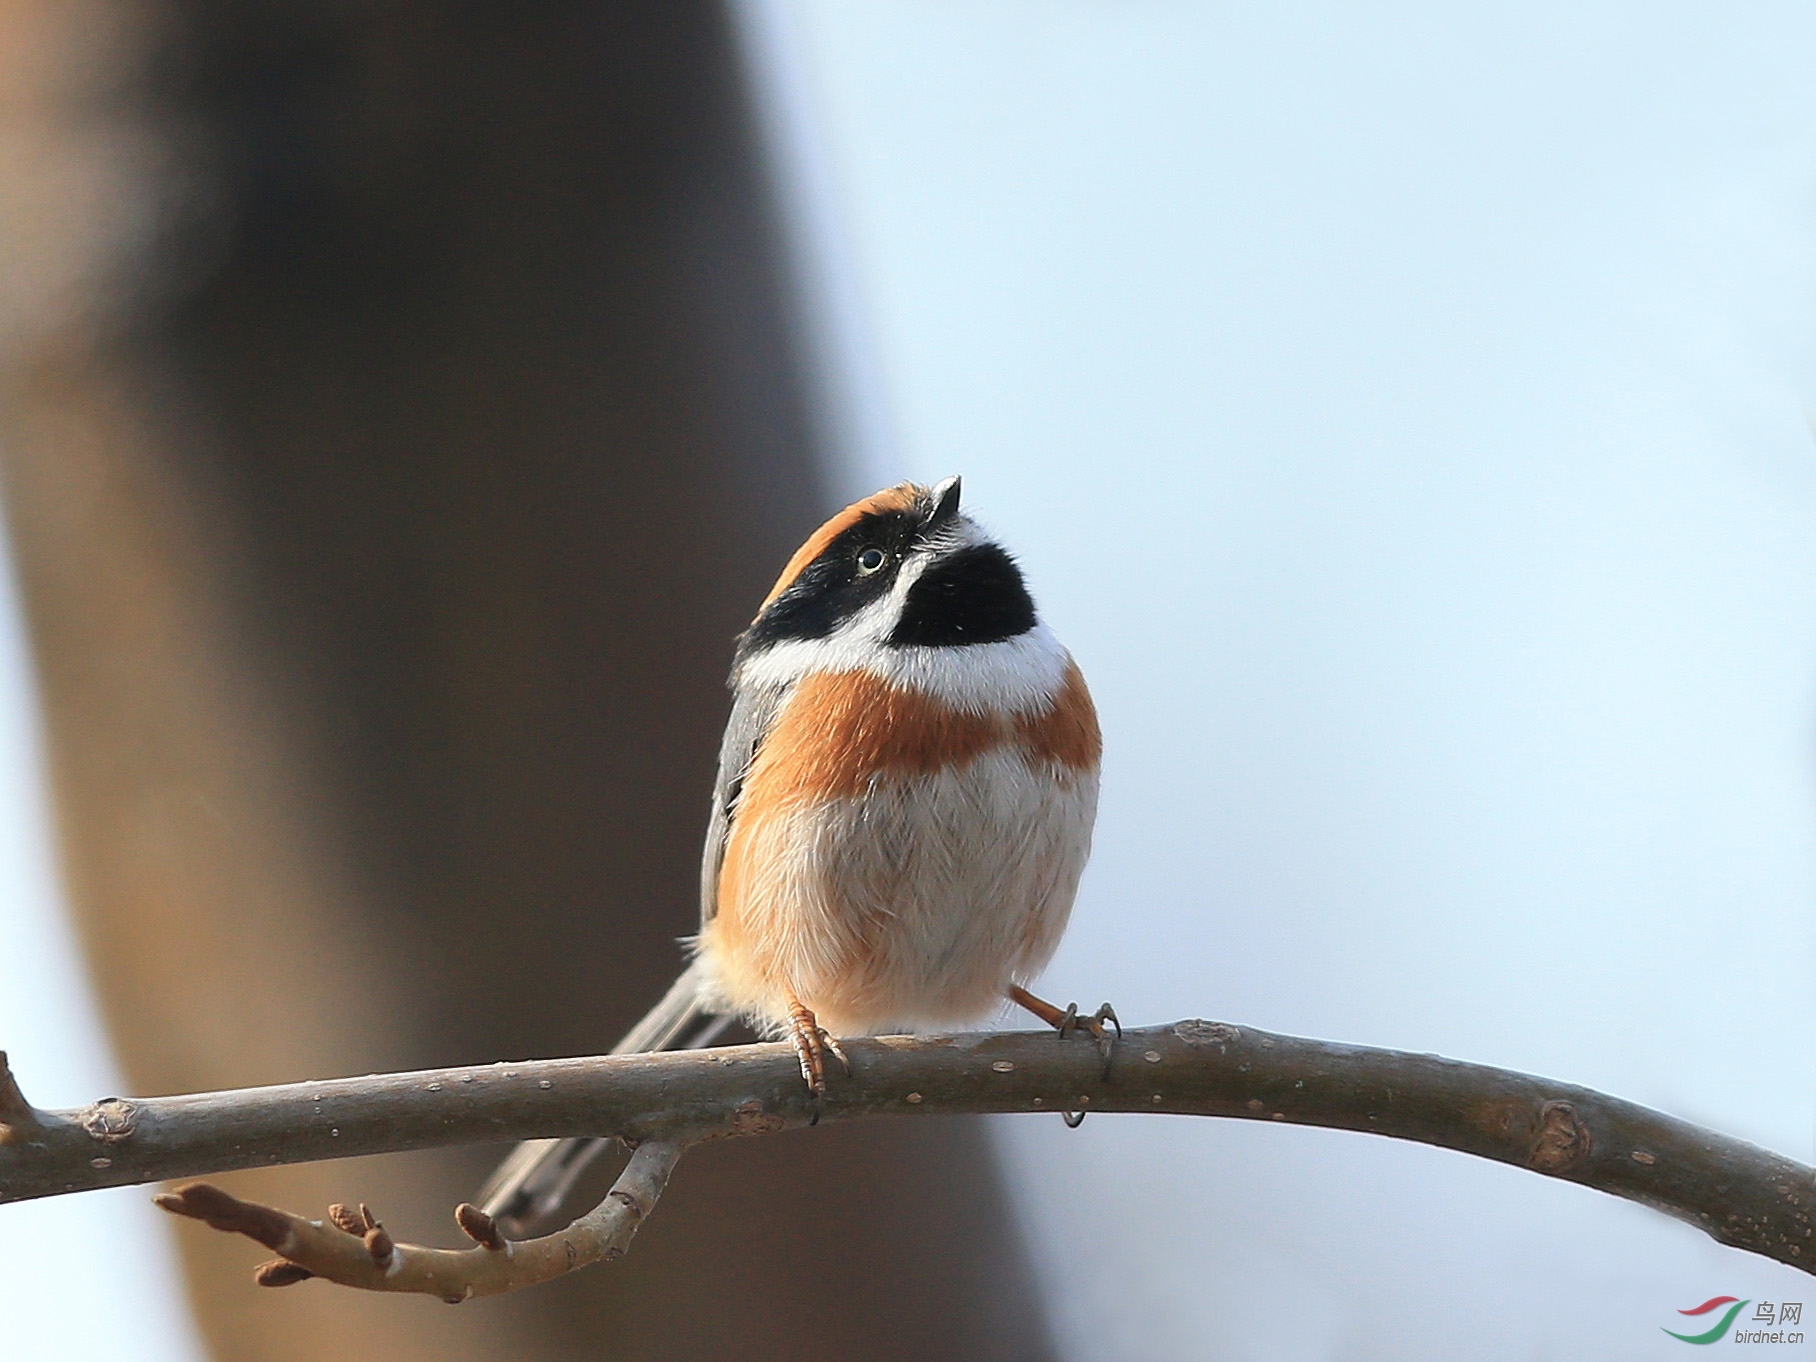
point(18, 1118)
point(354, 1249)
point(1739, 1194)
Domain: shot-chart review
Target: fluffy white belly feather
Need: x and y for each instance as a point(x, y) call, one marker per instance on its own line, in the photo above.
point(915, 904)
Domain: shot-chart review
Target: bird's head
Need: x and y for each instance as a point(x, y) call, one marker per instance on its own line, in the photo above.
point(904, 568)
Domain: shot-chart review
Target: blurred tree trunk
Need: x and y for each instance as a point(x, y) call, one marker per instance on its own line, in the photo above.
point(399, 423)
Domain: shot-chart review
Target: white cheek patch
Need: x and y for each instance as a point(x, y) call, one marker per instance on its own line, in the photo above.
point(1022, 674)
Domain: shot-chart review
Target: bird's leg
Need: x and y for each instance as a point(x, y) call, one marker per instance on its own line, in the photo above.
point(811, 1042)
point(1102, 1024)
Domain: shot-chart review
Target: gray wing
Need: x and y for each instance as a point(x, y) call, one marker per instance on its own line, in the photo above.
point(752, 714)
point(536, 1177)
point(534, 1181)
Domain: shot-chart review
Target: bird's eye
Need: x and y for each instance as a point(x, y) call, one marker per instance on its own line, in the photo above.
point(871, 560)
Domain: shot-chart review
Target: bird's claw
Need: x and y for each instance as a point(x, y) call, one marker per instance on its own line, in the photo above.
point(811, 1044)
point(1103, 1025)
point(1105, 1029)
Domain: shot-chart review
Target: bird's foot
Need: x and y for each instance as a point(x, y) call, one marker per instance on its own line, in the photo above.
point(812, 1043)
point(1105, 1029)
point(1103, 1025)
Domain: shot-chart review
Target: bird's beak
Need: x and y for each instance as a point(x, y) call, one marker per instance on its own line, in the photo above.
point(945, 503)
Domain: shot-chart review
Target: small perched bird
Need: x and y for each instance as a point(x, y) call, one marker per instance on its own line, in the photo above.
point(904, 804)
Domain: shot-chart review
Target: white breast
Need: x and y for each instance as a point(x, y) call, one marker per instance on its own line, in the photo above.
point(914, 905)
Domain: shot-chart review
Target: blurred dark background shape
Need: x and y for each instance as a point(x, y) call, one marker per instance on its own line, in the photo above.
point(400, 419)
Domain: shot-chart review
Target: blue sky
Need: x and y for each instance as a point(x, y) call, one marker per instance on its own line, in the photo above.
point(1405, 417)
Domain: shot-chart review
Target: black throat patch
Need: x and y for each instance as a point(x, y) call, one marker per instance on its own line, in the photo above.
point(970, 595)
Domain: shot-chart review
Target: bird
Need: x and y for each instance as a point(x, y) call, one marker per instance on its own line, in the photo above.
point(904, 803)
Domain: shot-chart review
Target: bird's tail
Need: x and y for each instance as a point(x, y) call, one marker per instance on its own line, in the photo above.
point(535, 1177)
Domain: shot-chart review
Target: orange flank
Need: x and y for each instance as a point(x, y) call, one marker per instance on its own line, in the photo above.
point(840, 731)
point(1066, 735)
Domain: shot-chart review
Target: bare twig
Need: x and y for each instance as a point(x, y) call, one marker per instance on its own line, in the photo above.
point(1738, 1193)
point(355, 1250)
point(18, 1118)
